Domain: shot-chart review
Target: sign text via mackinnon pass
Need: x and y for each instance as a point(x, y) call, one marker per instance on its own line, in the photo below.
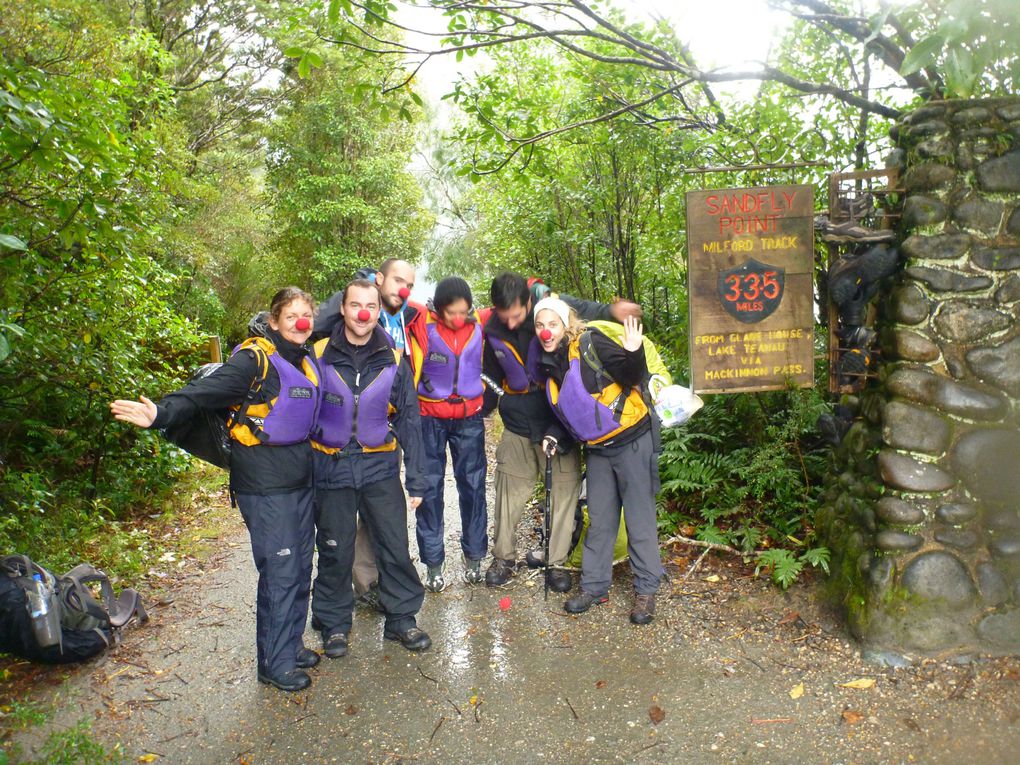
point(749, 262)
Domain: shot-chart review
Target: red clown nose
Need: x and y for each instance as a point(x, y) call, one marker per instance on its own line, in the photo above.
point(458, 322)
point(545, 335)
point(364, 315)
point(302, 324)
point(404, 293)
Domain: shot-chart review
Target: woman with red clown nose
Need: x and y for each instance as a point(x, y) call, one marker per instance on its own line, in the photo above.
point(593, 386)
point(273, 387)
point(447, 359)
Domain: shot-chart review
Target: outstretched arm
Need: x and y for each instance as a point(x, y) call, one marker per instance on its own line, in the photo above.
point(141, 413)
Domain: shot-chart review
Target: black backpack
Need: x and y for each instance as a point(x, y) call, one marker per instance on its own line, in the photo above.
point(207, 434)
point(87, 626)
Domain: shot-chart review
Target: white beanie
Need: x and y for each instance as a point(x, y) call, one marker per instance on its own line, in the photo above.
point(555, 305)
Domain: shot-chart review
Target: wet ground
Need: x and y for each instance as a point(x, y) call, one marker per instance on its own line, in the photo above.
point(732, 670)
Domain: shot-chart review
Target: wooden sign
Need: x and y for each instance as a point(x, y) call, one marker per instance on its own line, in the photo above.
point(750, 254)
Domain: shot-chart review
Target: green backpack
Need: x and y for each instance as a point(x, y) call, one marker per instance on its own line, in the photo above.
point(614, 331)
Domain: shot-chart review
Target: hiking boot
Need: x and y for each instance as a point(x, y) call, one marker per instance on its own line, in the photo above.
point(851, 231)
point(499, 573)
point(855, 207)
point(306, 658)
point(295, 680)
point(535, 558)
point(643, 610)
point(853, 366)
point(335, 645)
point(434, 579)
point(559, 580)
point(370, 599)
point(413, 639)
point(856, 337)
point(849, 276)
point(583, 601)
point(472, 571)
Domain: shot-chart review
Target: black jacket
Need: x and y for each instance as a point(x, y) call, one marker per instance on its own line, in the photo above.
point(627, 368)
point(352, 468)
point(262, 469)
point(529, 414)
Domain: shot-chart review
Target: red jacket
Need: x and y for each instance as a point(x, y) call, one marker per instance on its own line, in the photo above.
point(456, 339)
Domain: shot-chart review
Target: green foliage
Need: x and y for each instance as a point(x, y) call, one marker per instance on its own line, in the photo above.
point(338, 173)
point(974, 43)
point(76, 746)
point(84, 313)
point(744, 472)
point(23, 714)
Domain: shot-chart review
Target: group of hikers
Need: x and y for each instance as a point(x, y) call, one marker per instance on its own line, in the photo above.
point(319, 428)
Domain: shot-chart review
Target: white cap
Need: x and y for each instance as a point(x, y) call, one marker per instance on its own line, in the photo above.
point(555, 305)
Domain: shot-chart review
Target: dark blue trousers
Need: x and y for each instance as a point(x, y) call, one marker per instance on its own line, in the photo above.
point(466, 439)
point(282, 530)
point(383, 510)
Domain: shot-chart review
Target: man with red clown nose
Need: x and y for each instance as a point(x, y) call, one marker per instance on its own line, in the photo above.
point(367, 409)
point(447, 358)
point(400, 317)
point(512, 355)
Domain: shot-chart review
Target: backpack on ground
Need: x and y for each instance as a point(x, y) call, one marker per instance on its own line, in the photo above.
point(207, 434)
point(88, 625)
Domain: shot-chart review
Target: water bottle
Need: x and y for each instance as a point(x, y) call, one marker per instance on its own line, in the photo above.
point(45, 616)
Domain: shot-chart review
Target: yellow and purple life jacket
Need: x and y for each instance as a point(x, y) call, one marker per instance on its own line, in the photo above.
point(354, 412)
point(286, 419)
point(519, 376)
point(593, 418)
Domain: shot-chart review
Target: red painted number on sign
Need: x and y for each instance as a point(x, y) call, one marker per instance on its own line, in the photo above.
point(751, 286)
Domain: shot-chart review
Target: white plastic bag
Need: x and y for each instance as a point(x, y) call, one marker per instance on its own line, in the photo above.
point(674, 404)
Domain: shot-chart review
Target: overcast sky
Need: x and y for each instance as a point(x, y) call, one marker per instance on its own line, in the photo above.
point(738, 36)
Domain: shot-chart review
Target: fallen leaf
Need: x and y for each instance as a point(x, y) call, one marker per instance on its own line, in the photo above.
point(789, 616)
point(851, 717)
point(713, 578)
point(351, 710)
point(656, 715)
point(862, 683)
point(473, 701)
point(797, 691)
point(600, 684)
point(150, 757)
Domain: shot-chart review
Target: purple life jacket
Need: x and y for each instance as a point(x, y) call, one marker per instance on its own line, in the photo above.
point(288, 418)
point(518, 376)
point(445, 375)
point(362, 414)
point(593, 418)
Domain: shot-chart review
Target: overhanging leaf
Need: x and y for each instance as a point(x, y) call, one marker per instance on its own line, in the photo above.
point(922, 54)
point(12, 242)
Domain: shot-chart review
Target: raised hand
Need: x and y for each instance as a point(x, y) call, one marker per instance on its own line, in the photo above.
point(141, 412)
point(632, 332)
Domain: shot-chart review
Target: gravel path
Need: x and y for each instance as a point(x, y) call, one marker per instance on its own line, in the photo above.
point(731, 671)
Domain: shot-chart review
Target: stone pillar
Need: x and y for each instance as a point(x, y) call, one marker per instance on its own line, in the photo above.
point(924, 514)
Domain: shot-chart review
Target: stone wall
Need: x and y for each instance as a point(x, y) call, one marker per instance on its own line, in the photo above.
point(923, 511)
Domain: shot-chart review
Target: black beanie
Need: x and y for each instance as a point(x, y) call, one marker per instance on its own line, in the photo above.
point(450, 289)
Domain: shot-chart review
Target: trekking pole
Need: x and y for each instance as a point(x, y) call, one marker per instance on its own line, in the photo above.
point(546, 521)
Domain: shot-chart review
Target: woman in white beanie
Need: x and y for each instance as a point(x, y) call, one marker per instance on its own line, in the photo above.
point(593, 385)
